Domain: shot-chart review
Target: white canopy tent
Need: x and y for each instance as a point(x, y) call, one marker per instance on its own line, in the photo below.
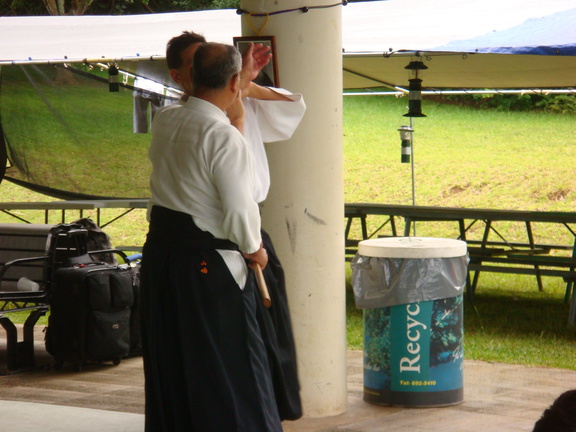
point(465, 43)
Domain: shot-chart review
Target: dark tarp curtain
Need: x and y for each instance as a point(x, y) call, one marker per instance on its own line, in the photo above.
point(68, 136)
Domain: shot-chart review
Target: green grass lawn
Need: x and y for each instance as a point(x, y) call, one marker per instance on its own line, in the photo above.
point(464, 157)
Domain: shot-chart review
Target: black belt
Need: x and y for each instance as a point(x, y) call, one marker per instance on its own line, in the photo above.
point(172, 225)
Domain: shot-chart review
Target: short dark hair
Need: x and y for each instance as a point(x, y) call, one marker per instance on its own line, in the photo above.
point(214, 65)
point(178, 44)
point(561, 416)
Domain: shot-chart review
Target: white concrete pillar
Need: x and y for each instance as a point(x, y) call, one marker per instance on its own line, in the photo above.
point(304, 209)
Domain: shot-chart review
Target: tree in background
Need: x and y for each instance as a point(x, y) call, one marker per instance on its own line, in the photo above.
point(62, 7)
point(108, 7)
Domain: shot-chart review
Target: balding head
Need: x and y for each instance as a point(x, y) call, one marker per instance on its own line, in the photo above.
point(214, 66)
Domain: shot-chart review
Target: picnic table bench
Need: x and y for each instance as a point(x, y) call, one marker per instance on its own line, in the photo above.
point(486, 253)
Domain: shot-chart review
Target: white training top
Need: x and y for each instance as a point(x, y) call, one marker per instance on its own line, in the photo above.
point(268, 121)
point(265, 121)
point(201, 165)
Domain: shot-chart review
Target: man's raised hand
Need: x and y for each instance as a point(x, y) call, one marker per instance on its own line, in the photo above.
point(254, 59)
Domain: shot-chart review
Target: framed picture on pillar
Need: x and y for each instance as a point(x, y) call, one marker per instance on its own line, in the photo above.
point(268, 76)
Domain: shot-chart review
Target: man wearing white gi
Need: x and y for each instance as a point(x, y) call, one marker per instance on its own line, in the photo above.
point(269, 115)
point(205, 363)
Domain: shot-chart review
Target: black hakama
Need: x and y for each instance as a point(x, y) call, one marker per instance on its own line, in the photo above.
point(205, 363)
point(276, 327)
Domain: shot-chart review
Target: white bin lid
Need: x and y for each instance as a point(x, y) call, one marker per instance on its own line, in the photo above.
point(412, 247)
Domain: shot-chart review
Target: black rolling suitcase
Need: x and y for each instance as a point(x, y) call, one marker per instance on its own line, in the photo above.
point(90, 309)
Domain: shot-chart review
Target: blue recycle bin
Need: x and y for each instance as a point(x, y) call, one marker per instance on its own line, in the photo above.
point(410, 289)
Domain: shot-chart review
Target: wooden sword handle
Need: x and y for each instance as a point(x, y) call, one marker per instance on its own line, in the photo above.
point(262, 286)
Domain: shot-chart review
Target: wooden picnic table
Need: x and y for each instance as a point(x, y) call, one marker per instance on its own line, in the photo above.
point(75, 205)
point(487, 253)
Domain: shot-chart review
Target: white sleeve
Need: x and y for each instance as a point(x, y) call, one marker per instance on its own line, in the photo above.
point(233, 177)
point(278, 119)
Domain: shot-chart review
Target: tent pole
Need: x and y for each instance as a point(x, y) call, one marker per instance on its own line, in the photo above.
point(412, 169)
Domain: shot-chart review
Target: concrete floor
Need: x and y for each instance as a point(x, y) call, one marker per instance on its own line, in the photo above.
point(497, 397)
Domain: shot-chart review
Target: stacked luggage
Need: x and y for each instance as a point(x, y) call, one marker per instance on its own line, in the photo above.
point(93, 313)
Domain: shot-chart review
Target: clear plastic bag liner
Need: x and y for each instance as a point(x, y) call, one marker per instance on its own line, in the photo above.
point(382, 282)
